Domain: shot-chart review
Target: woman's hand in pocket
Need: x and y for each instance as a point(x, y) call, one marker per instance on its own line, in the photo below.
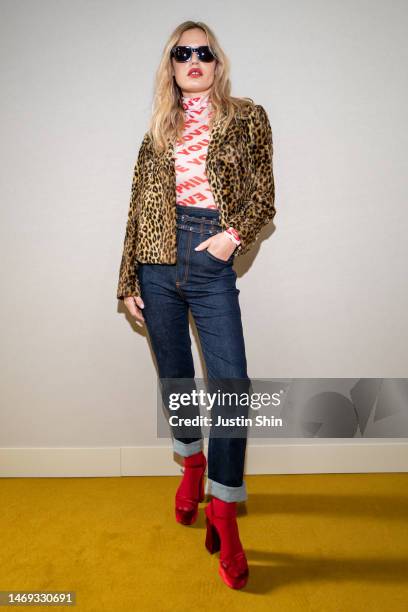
point(218, 245)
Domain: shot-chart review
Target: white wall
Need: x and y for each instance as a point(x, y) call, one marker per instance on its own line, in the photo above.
point(324, 296)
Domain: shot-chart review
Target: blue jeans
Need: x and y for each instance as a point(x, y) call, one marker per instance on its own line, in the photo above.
point(207, 285)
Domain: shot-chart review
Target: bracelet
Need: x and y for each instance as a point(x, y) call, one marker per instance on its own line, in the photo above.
point(233, 235)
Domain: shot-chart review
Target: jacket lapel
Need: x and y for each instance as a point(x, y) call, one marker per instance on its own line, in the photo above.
point(216, 138)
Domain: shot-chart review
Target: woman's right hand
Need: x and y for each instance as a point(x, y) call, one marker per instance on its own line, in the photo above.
point(134, 304)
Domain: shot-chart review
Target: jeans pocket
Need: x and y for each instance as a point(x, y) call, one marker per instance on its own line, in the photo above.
point(217, 259)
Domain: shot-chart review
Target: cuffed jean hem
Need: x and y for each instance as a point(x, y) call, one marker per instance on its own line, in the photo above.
point(226, 493)
point(186, 450)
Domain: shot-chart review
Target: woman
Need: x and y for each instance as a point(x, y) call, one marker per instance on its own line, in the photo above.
point(202, 189)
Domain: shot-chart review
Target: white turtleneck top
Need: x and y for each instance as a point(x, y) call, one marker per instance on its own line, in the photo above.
point(192, 187)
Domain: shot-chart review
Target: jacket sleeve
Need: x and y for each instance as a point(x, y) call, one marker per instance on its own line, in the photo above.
point(259, 207)
point(128, 284)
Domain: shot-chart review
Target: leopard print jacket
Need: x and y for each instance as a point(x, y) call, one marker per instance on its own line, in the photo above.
point(240, 174)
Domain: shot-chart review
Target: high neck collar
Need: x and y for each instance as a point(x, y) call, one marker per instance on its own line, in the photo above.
point(195, 103)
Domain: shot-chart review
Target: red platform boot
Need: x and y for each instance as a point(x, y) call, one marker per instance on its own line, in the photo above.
point(191, 489)
point(222, 534)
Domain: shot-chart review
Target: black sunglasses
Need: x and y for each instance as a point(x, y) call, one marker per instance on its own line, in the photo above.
point(184, 54)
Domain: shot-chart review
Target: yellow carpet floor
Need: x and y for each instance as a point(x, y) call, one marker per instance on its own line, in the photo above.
point(318, 543)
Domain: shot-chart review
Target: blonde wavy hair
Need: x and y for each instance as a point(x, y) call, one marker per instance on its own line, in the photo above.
point(167, 119)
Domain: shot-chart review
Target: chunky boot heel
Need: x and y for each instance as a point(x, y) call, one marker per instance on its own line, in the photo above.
point(212, 539)
point(222, 534)
point(191, 489)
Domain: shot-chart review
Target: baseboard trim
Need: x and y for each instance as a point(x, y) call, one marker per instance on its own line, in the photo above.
point(279, 457)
